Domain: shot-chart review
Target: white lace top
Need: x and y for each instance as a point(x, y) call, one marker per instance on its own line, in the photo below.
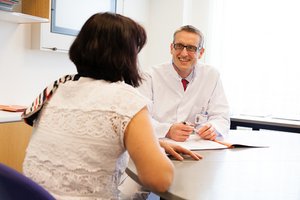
point(77, 150)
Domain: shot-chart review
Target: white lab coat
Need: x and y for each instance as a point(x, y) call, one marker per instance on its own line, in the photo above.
point(171, 104)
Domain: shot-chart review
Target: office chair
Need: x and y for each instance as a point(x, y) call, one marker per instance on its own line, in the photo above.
point(16, 186)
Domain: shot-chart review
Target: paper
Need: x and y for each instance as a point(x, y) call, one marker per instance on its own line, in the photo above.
point(12, 108)
point(195, 142)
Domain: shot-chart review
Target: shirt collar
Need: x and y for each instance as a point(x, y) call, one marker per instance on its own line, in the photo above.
point(190, 76)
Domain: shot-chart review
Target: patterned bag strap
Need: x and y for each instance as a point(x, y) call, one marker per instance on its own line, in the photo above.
point(31, 113)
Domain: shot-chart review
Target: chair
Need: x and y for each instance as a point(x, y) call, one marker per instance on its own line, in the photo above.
point(16, 186)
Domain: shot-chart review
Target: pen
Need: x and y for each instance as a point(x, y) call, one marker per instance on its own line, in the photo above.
point(195, 131)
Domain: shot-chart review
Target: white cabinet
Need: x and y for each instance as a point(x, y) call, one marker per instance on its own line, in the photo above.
point(37, 13)
point(42, 38)
point(45, 39)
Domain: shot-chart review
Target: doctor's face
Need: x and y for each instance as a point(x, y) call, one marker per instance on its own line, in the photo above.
point(185, 52)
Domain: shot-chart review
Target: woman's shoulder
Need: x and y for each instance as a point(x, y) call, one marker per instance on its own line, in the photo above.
point(98, 94)
point(124, 88)
point(128, 93)
point(127, 98)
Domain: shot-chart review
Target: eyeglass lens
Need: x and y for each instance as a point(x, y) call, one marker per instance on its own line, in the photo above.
point(190, 48)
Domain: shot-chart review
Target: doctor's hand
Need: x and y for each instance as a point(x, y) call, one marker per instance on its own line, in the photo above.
point(179, 132)
point(207, 132)
point(176, 151)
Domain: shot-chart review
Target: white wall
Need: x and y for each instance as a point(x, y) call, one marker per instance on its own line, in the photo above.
point(167, 16)
point(199, 17)
point(25, 72)
point(139, 11)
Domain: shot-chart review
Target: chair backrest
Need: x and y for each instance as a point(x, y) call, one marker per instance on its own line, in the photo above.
point(15, 186)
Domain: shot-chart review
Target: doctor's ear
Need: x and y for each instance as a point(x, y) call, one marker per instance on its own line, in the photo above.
point(201, 52)
point(171, 47)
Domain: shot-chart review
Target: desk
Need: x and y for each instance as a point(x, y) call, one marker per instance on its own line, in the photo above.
point(14, 138)
point(247, 173)
point(269, 123)
point(10, 116)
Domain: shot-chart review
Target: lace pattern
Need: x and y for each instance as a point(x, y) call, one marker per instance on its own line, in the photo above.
point(79, 153)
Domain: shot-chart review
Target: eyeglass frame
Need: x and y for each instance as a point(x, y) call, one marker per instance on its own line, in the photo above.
point(189, 48)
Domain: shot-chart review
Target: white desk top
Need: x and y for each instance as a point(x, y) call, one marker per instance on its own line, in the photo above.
point(9, 116)
point(240, 173)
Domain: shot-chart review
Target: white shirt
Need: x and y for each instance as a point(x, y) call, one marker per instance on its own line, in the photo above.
point(204, 97)
point(77, 149)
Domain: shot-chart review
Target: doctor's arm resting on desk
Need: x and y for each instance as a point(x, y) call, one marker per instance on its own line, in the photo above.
point(217, 121)
point(210, 122)
point(213, 126)
point(216, 124)
point(214, 121)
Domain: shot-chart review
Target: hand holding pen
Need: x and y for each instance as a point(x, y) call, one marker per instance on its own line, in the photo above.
point(180, 131)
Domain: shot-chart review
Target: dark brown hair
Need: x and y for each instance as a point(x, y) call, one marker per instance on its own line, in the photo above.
point(107, 47)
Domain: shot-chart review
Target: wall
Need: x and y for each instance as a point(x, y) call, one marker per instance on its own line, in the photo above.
point(199, 16)
point(137, 10)
point(24, 72)
point(165, 17)
point(168, 15)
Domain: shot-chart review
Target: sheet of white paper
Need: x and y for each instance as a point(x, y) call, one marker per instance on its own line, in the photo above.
point(194, 142)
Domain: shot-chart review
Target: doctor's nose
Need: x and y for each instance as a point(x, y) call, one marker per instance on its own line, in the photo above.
point(184, 52)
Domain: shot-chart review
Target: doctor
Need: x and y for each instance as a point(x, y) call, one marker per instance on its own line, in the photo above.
point(186, 96)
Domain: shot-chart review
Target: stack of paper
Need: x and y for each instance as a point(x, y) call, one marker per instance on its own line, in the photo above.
point(8, 4)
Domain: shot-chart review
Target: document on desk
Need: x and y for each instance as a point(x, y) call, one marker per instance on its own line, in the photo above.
point(194, 142)
point(12, 108)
